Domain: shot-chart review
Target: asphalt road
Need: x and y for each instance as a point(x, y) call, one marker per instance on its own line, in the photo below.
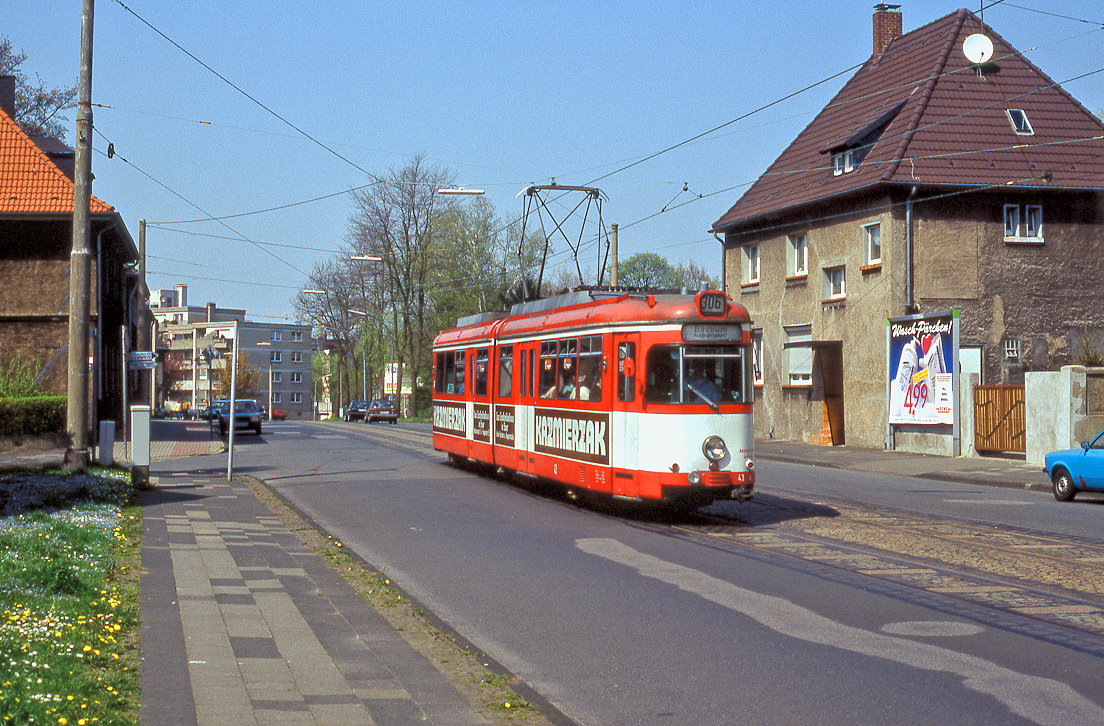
point(748, 617)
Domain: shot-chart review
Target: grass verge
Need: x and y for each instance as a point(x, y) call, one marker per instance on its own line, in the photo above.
point(70, 549)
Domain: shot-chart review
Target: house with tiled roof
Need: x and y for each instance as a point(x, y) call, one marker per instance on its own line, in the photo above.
point(36, 221)
point(931, 182)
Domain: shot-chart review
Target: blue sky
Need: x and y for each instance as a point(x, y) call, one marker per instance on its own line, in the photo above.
point(503, 94)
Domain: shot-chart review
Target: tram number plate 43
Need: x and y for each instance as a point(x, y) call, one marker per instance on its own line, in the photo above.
point(705, 333)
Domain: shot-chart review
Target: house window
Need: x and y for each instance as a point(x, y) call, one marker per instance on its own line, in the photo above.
point(843, 162)
point(297, 398)
point(1012, 349)
point(297, 336)
point(1018, 118)
point(277, 377)
point(275, 397)
point(798, 253)
point(834, 288)
point(751, 265)
point(276, 356)
point(757, 357)
point(872, 244)
point(296, 377)
point(799, 358)
point(1023, 223)
point(277, 335)
point(297, 357)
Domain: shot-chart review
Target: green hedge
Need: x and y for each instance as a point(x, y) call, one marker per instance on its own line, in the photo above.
point(32, 416)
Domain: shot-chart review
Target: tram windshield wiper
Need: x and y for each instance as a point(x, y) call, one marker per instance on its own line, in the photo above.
point(712, 404)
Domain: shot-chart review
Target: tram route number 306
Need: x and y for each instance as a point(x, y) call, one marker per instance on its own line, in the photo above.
point(713, 304)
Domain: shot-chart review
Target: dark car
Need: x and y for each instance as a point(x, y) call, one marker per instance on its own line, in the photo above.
point(247, 415)
point(1077, 470)
point(382, 409)
point(211, 412)
point(355, 410)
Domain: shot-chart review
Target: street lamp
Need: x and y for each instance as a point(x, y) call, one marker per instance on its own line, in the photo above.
point(461, 191)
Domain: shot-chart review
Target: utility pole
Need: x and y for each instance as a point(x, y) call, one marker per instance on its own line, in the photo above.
point(80, 260)
point(145, 328)
point(613, 255)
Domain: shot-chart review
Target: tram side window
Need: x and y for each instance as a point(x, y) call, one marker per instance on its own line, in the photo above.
point(626, 391)
point(454, 383)
point(696, 374)
point(567, 365)
point(547, 383)
point(482, 369)
point(529, 390)
point(439, 371)
point(506, 371)
point(590, 368)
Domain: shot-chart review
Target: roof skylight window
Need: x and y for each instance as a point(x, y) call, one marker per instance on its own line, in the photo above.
point(1018, 118)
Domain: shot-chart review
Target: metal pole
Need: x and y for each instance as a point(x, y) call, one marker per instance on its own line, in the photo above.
point(76, 456)
point(269, 386)
point(233, 405)
point(613, 255)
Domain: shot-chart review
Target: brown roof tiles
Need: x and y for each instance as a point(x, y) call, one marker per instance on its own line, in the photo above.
point(952, 127)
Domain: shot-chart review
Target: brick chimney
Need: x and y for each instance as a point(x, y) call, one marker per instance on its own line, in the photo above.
point(7, 95)
point(887, 26)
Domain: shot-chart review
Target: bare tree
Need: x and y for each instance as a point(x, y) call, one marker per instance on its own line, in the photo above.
point(39, 108)
point(395, 220)
point(329, 310)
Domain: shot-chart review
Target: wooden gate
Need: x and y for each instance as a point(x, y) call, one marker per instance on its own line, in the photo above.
point(999, 421)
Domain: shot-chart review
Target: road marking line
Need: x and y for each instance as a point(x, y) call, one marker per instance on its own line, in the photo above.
point(1042, 700)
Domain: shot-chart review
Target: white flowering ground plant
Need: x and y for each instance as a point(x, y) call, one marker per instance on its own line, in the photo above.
point(69, 553)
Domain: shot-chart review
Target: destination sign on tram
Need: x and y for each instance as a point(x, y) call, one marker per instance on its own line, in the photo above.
point(708, 333)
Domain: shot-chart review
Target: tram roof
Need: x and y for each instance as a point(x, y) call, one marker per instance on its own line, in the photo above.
point(582, 309)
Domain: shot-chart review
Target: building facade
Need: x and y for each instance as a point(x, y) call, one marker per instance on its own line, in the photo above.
point(195, 344)
point(929, 183)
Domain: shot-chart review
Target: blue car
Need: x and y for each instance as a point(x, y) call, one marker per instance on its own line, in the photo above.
point(1075, 470)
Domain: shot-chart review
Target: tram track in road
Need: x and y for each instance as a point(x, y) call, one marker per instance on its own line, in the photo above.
point(1031, 582)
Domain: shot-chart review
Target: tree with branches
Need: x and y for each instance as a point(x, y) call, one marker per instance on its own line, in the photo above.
point(39, 108)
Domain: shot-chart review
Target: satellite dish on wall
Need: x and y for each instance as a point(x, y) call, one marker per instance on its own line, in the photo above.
point(977, 48)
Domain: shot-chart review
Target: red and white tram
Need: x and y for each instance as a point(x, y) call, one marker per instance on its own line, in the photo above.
point(635, 395)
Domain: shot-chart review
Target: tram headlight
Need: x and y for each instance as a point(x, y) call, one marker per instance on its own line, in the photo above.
point(714, 448)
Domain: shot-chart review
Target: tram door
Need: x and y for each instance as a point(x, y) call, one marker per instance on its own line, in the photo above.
point(625, 418)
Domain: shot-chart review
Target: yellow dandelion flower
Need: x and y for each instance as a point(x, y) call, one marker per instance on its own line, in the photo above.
point(86, 648)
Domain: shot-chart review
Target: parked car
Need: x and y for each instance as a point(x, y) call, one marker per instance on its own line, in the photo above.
point(247, 415)
point(211, 412)
point(1076, 470)
point(355, 410)
point(382, 409)
point(278, 415)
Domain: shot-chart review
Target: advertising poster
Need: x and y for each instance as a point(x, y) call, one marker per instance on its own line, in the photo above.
point(922, 359)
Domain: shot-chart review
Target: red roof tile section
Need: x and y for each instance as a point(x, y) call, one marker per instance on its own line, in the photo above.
point(953, 128)
point(30, 183)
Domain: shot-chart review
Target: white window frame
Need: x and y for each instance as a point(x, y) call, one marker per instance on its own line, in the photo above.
point(1023, 222)
point(751, 263)
point(297, 398)
point(843, 162)
point(296, 377)
point(835, 283)
point(277, 336)
point(297, 356)
point(276, 357)
point(1012, 349)
point(799, 360)
point(275, 397)
point(297, 336)
point(872, 236)
point(277, 377)
point(1021, 124)
point(798, 254)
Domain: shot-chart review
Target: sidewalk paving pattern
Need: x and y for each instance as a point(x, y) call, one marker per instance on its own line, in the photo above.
point(243, 624)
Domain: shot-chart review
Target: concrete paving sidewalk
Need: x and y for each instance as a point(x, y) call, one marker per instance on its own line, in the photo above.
point(987, 471)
